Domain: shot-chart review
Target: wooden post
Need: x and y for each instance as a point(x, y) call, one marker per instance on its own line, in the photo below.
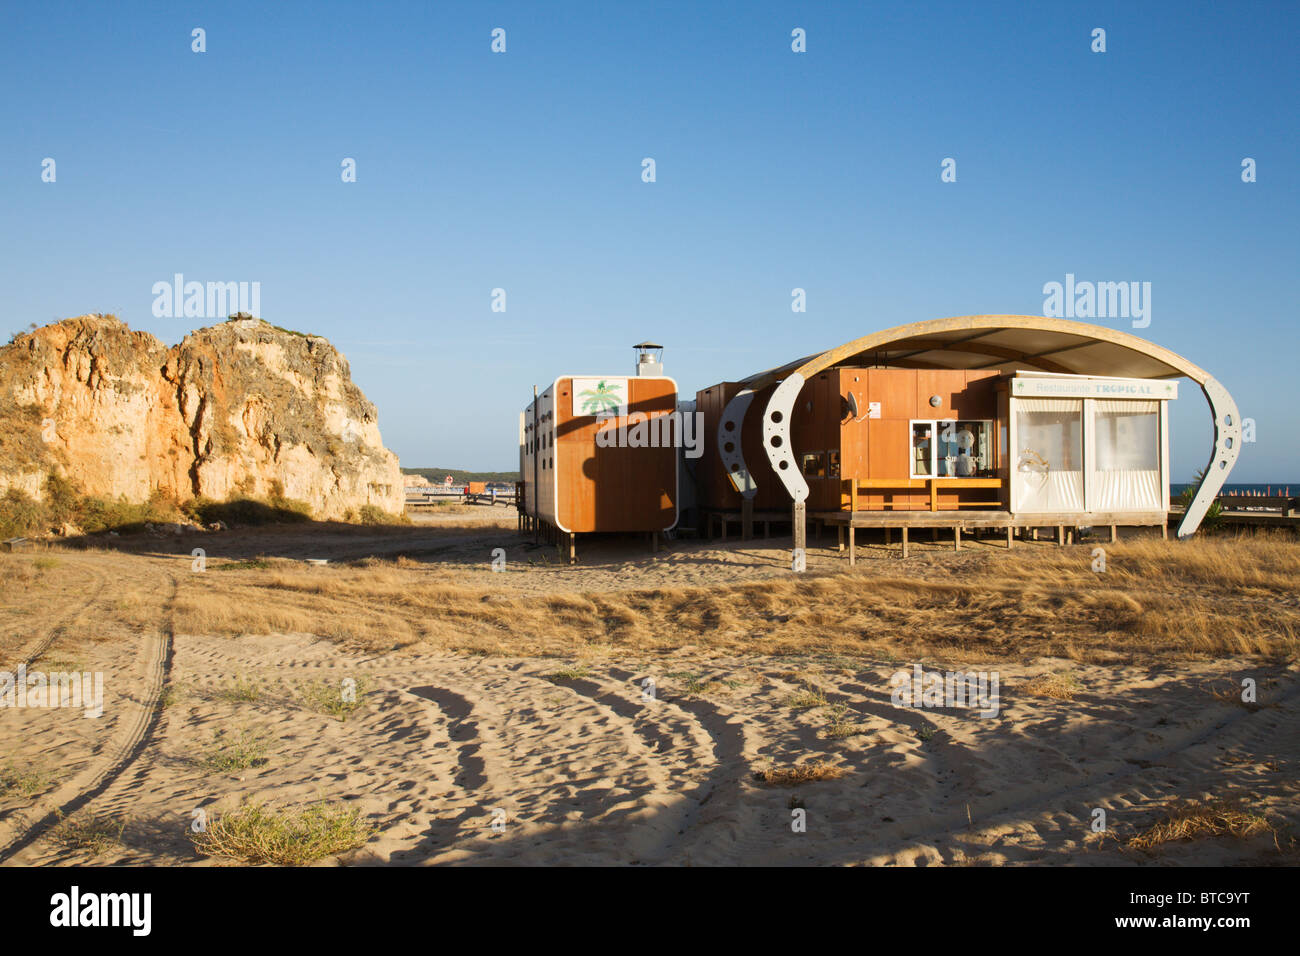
point(956, 537)
point(573, 552)
point(853, 544)
point(839, 537)
point(1114, 534)
point(746, 518)
point(934, 534)
point(889, 535)
point(1011, 537)
point(1060, 535)
point(904, 542)
point(537, 458)
point(799, 529)
point(1033, 532)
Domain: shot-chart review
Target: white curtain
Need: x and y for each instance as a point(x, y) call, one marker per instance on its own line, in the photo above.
point(1047, 462)
point(1126, 472)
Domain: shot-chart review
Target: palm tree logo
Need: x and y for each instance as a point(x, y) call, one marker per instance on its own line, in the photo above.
point(604, 397)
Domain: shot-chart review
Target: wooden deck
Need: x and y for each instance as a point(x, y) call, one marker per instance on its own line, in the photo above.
point(847, 522)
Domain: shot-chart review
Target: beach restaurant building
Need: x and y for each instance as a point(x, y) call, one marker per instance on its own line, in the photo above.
point(1009, 422)
point(1012, 422)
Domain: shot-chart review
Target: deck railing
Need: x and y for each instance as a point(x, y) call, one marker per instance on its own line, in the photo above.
point(852, 486)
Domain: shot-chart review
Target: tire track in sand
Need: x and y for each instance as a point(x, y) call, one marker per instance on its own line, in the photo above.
point(20, 829)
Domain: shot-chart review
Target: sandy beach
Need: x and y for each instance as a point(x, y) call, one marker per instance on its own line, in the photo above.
point(521, 734)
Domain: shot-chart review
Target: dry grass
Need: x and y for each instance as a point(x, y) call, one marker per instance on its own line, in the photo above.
point(1203, 598)
point(257, 833)
point(337, 699)
point(22, 783)
point(1192, 821)
point(89, 832)
point(1225, 596)
point(800, 773)
point(1059, 685)
point(233, 752)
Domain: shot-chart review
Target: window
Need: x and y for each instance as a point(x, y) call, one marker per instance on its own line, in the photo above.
point(952, 448)
point(1126, 457)
point(964, 449)
point(922, 449)
point(1047, 462)
point(814, 464)
point(834, 468)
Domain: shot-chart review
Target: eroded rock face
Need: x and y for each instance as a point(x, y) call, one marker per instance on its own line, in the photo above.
point(237, 409)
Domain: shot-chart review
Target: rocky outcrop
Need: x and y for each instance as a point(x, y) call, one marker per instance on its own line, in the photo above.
point(240, 409)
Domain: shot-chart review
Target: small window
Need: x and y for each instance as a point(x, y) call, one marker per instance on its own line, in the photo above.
point(814, 464)
point(922, 449)
point(833, 470)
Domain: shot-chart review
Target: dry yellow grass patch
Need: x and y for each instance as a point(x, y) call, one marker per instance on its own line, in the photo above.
point(801, 773)
point(1059, 685)
point(1191, 821)
point(1171, 600)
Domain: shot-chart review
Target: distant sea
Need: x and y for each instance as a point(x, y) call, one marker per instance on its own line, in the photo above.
point(1283, 488)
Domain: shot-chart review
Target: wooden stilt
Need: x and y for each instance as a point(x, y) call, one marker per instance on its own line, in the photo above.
point(956, 537)
point(839, 537)
point(1011, 537)
point(889, 535)
point(1060, 535)
point(904, 537)
point(1114, 534)
point(853, 545)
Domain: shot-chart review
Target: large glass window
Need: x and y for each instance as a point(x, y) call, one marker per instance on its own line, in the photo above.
point(1047, 467)
point(1126, 466)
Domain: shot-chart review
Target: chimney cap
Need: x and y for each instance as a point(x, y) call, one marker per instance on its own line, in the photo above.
point(647, 345)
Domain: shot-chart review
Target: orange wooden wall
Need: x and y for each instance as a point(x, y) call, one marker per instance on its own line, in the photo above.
point(613, 489)
point(821, 424)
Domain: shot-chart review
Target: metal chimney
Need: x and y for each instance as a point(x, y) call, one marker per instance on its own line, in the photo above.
point(649, 359)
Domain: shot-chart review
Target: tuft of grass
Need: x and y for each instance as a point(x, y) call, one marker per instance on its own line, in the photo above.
point(249, 564)
point(231, 753)
point(257, 833)
point(808, 698)
point(1059, 685)
point(23, 783)
point(841, 726)
point(1231, 695)
point(241, 689)
point(576, 672)
point(926, 732)
point(45, 563)
point(1192, 820)
point(88, 831)
point(801, 773)
point(336, 700)
point(693, 685)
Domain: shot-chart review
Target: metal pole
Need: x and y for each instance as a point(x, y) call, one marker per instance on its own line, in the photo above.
point(537, 508)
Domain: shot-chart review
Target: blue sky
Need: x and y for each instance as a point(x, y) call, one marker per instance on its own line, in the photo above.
point(775, 170)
